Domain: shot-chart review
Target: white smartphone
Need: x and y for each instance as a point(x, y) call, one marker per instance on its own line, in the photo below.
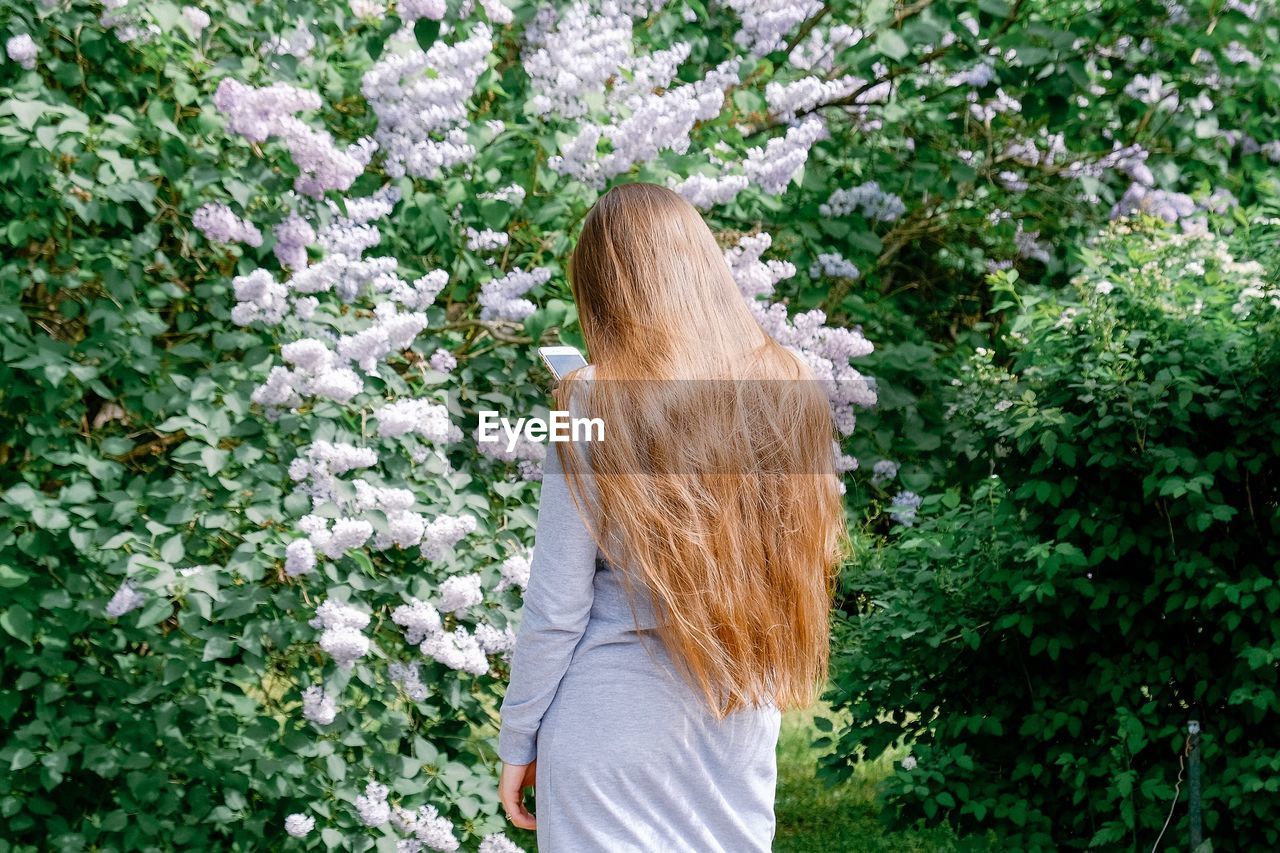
point(561, 361)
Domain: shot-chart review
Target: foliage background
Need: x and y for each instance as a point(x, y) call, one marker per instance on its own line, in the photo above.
point(999, 137)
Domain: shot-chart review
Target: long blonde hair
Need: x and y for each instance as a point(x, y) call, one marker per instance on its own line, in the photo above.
point(714, 486)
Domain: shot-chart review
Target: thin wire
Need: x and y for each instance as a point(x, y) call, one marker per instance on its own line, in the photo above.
point(1176, 789)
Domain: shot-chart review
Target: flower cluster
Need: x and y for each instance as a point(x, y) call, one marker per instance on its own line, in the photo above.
point(342, 625)
point(218, 223)
point(866, 199)
point(22, 50)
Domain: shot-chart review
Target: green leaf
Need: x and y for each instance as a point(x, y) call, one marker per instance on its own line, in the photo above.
point(892, 45)
point(18, 623)
point(172, 551)
point(426, 31)
point(22, 758)
point(11, 577)
point(26, 112)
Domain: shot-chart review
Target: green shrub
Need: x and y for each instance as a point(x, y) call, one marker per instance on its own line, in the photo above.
point(1103, 574)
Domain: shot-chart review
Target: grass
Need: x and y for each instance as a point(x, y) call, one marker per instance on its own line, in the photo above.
point(815, 818)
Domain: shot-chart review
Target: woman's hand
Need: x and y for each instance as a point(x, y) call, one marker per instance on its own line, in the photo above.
point(515, 778)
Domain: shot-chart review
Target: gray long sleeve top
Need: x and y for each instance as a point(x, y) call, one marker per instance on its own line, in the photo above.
point(557, 607)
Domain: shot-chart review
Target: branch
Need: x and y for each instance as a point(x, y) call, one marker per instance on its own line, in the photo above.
point(155, 447)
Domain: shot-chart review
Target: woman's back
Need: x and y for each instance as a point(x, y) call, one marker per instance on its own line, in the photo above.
point(629, 756)
point(683, 566)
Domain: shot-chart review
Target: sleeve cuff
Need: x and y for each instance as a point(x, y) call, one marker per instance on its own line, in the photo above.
point(517, 748)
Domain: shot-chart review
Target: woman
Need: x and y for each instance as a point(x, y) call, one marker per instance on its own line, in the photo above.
point(683, 567)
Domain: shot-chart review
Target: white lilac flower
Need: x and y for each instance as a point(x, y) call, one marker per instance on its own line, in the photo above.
point(487, 240)
point(321, 463)
point(909, 762)
point(372, 807)
point(22, 50)
point(369, 10)
point(1030, 245)
point(754, 276)
point(126, 599)
point(414, 295)
point(420, 100)
point(1012, 181)
point(345, 645)
point(293, 235)
point(333, 614)
point(1238, 54)
point(787, 100)
point(418, 417)
point(493, 640)
point(299, 825)
point(570, 54)
point(903, 508)
point(1169, 206)
point(826, 350)
point(404, 529)
point(457, 650)
point(503, 298)
point(304, 307)
point(428, 828)
point(818, 50)
point(410, 682)
point(498, 12)
point(985, 111)
point(196, 18)
point(126, 25)
point(297, 42)
point(833, 265)
point(418, 619)
point(278, 392)
point(498, 843)
point(347, 534)
point(442, 361)
point(460, 593)
point(1152, 90)
point(300, 558)
point(392, 331)
point(767, 23)
point(308, 354)
point(705, 192)
point(318, 706)
point(515, 571)
point(866, 198)
point(884, 471)
point(219, 224)
point(338, 385)
point(413, 10)
point(773, 166)
point(259, 114)
point(445, 532)
point(648, 124)
point(386, 498)
point(512, 194)
point(976, 76)
point(259, 298)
